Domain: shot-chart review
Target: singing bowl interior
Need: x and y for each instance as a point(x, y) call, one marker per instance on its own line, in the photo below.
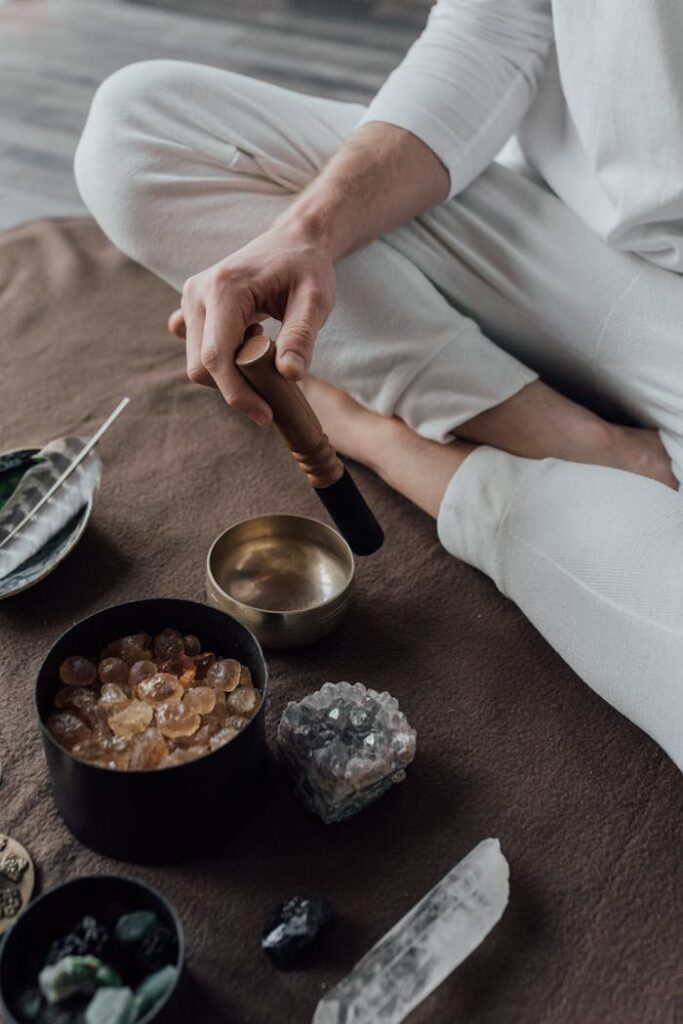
point(281, 563)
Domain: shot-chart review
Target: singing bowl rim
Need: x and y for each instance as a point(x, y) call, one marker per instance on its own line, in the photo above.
point(317, 606)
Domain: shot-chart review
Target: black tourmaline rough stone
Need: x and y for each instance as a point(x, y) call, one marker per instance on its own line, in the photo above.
point(87, 938)
point(292, 926)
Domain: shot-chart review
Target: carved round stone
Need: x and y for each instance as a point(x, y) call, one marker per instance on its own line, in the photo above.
point(17, 878)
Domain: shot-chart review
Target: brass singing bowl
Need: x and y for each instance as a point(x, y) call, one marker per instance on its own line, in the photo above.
point(287, 578)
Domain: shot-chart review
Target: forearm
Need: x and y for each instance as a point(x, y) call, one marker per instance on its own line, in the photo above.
point(381, 177)
point(435, 125)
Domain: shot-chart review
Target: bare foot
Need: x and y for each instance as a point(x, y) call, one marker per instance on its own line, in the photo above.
point(387, 445)
point(363, 435)
point(640, 450)
point(352, 429)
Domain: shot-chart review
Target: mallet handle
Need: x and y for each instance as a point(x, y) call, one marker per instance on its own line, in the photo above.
point(292, 414)
point(305, 438)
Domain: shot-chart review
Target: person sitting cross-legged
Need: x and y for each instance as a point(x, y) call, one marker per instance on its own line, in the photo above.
point(498, 335)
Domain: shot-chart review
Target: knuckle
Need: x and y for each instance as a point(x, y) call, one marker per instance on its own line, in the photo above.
point(316, 294)
point(224, 274)
point(237, 401)
point(299, 333)
point(224, 280)
point(211, 358)
point(190, 288)
point(214, 287)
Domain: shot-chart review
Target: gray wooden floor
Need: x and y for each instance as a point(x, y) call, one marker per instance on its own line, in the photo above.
point(391, 13)
point(53, 54)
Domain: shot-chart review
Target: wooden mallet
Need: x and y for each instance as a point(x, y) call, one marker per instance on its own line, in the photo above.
point(303, 435)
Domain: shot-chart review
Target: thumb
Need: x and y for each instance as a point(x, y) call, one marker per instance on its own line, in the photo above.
point(176, 323)
point(296, 339)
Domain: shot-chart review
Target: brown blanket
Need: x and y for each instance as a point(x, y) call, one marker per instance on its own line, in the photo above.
point(510, 742)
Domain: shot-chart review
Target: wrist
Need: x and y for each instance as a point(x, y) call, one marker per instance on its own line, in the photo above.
point(314, 222)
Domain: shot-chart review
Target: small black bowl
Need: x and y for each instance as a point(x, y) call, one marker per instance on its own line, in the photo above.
point(172, 813)
point(26, 944)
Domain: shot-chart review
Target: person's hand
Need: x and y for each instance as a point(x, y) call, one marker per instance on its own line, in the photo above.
point(282, 274)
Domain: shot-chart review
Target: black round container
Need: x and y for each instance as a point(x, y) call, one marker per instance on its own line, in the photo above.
point(25, 947)
point(173, 813)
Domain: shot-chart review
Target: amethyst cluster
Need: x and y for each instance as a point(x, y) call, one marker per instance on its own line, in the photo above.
point(344, 746)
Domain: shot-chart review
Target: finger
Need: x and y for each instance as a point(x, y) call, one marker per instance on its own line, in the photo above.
point(223, 334)
point(194, 327)
point(176, 323)
point(302, 321)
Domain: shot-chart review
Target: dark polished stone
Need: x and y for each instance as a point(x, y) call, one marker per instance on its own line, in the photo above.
point(292, 926)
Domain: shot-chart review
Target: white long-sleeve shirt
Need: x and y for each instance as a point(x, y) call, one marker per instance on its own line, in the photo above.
point(593, 90)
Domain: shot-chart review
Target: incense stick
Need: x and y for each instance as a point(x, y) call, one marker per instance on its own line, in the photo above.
point(85, 451)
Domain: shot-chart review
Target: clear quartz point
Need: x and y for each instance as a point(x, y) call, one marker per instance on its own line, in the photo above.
point(424, 947)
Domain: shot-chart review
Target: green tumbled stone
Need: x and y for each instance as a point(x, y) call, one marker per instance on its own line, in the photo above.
point(133, 927)
point(111, 1006)
point(69, 976)
point(154, 988)
point(107, 977)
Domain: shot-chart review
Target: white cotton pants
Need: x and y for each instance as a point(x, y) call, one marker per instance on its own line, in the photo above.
point(443, 318)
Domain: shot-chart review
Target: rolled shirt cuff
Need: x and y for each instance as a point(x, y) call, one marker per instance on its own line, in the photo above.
point(474, 507)
point(465, 377)
point(428, 128)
